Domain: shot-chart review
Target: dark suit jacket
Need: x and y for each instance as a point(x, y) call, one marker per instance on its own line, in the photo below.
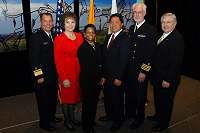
point(91, 62)
point(41, 55)
point(144, 42)
point(167, 61)
point(117, 57)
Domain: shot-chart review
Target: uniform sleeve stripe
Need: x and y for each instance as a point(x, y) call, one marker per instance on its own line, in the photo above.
point(38, 72)
point(145, 67)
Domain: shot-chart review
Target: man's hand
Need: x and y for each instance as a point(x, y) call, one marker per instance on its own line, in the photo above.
point(165, 84)
point(117, 82)
point(40, 81)
point(141, 77)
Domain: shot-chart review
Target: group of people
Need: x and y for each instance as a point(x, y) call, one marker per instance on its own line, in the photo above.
point(124, 64)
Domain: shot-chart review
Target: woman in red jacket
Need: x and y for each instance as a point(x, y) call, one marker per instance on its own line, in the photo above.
point(68, 68)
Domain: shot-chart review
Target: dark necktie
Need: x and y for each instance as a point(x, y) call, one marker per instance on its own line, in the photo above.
point(111, 40)
point(135, 28)
point(50, 37)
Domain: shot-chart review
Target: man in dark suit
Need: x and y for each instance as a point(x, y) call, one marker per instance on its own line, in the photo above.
point(45, 79)
point(144, 37)
point(117, 54)
point(165, 74)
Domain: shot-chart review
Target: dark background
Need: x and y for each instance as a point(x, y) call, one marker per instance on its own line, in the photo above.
point(15, 68)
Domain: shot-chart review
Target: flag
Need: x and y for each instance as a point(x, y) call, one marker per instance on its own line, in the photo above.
point(91, 19)
point(114, 7)
point(59, 13)
point(113, 11)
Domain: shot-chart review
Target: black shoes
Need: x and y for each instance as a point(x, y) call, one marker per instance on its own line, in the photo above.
point(135, 125)
point(104, 118)
point(72, 128)
point(157, 128)
point(152, 118)
point(95, 124)
point(47, 127)
point(57, 120)
point(115, 127)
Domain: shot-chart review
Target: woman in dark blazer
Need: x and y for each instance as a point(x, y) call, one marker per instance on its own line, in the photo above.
point(91, 76)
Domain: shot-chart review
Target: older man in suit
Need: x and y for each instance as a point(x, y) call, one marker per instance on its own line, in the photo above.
point(144, 37)
point(44, 75)
point(116, 52)
point(165, 74)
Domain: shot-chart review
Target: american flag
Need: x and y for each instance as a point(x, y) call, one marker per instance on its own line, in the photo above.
point(59, 13)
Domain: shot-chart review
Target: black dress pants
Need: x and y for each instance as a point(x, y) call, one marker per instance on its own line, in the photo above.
point(90, 96)
point(114, 102)
point(46, 95)
point(135, 98)
point(164, 101)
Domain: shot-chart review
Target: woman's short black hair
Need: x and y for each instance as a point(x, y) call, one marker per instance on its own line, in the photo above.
point(89, 25)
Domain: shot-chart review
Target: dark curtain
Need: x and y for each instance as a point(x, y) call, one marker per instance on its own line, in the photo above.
point(188, 17)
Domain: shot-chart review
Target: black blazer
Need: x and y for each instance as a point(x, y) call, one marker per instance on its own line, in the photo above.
point(91, 62)
point(144, 45)
point(167, 61)
point(117, 57)
point(41, 55)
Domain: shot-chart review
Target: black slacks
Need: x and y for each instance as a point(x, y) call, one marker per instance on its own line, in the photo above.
point(164, 101)
point(135, 98)
point(90, 95)
point(46, 95)
point(114, 102)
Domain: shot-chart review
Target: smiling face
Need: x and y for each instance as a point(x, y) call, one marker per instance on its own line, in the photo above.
point(138, 14)
point(115, 24)
point(168, 24)
point(69, 24)
point(89, 34)
point(46, 23)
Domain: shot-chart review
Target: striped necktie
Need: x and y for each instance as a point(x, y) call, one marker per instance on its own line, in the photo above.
point(113, 37)
point(160, 40)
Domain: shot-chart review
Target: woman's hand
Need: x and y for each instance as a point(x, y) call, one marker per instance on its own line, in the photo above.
point(103, 80)
point(66, 83)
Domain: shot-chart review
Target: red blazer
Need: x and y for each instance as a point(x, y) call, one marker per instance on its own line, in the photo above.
point(65, 55)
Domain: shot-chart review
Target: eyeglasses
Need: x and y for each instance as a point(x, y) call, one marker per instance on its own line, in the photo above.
point(168, 22)
point(138, 12)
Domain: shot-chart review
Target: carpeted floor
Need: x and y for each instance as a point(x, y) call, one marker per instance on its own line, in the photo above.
point(18, 114)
